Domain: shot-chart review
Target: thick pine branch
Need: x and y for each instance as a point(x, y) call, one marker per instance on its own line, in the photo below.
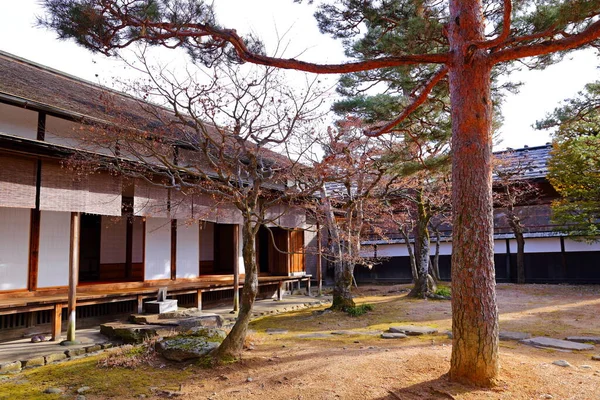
point(418, 100)
point(582, 38)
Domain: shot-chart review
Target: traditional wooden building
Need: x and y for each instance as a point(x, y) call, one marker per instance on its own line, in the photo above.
point(550, 257)
point(130, 244)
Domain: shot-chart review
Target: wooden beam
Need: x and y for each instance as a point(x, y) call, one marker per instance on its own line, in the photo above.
point(73, 274)
point(236, 268)
point(56, 322)
point(173, 249)
point(34, 249)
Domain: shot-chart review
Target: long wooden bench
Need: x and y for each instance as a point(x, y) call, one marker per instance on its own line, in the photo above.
point(89, 294)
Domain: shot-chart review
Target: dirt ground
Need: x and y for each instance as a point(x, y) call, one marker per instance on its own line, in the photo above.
point(365, 366)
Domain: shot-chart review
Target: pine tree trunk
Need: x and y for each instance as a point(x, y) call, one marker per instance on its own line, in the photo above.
point(474, 311)
point(232, 346)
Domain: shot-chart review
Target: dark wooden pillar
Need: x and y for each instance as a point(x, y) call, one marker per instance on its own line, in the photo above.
point(236, 268)
point(73, 274)
point(173, 249)
point(34, 249)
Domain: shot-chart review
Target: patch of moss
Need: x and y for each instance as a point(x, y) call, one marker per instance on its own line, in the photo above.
point(359, 310)
point(105, 382)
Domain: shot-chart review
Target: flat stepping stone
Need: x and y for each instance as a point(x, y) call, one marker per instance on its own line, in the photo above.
point(596, 357)
point(507, 335)
point(584, 339)
point(557, 344)
point(411, 330)
point(356, 333)
point(388, 335)
point(275, 331)
point(314, 336)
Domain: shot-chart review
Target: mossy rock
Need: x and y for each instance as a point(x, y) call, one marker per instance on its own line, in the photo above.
point(199, 342)
point(183, 348)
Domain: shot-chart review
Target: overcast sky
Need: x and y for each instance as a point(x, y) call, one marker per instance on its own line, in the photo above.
point(270, 19)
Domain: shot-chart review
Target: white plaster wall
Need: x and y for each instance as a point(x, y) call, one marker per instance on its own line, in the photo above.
point(392, 250)
point(572, 245)
point(113, 240)
point(207, 241)
point(241, 266)
point(14, 248)
point(445, 249)
point(55, 233)
point(500, 246)
point(137, 248)
point(367, 251)
point(538, 245)
point(188, 255)
point(158, 248)
point(18, 121)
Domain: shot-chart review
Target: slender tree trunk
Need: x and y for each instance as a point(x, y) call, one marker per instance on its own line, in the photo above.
point(411, 256)
point(517, 228)
point(232, 346)
point(435, 265)
point(474, 311)
point(342, 297)
point(421, 287)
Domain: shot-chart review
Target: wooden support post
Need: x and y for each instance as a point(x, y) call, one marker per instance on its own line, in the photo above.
point(56, 322)
point(280, 291)
point(173, 249)
point(73, 274)
point(140, 304)
point(236, 268)
point(34, 249)
point(319, 262)
point(199, 300)
point(308, 287)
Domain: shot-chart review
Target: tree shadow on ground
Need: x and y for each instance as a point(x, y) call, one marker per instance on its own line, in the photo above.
point(439, 388)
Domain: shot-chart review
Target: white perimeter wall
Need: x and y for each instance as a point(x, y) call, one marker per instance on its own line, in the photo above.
point(158, 248)
point(18, 121)
point(532, 245)
point(571, 245)
point(207, 241)
point(188, 251)
point(113, 240)
point(55, 233)
point(14, 248)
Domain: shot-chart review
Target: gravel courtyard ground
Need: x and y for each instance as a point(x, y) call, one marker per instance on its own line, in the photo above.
point(361, 365)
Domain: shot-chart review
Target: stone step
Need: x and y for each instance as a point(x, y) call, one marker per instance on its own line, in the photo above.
point(584, 339)
point(411, 330)
point(134, 333)
point(507, 335)
point(556, 344)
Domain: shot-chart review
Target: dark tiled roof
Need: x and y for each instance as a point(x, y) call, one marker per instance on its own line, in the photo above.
point(40, 87)
point(527, 162)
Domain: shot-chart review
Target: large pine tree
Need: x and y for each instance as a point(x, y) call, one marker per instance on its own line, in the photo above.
point(461, 39)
